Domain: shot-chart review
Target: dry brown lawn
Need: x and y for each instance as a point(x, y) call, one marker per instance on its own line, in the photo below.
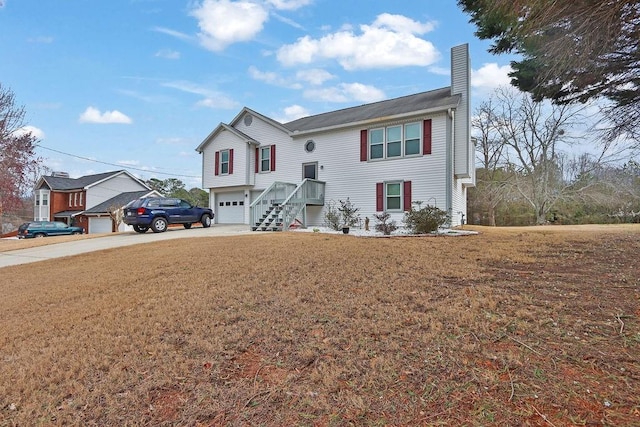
point(525, 326)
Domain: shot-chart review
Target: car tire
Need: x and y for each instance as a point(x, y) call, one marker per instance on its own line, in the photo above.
point(159, 225)
point(187, 225)
point(140, 228)
point(75, 233)
point(38, 235)
point(206, 221)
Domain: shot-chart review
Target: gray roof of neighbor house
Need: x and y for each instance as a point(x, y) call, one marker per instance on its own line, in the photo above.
point(118, 201)
point(431, 100)
point(63, 183)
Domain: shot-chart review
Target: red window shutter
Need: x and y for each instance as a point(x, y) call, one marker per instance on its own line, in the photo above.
point(230, 161)
point(379, 197)
point(407, 196)
point(273, 158)
point(426, 137)
point(257, 168)
point(217, 163)
point(363, 145)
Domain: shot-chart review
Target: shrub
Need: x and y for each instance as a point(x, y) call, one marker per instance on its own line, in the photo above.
point(348, 213)
point(383, 226)
point(425, 220)
point(332, 217)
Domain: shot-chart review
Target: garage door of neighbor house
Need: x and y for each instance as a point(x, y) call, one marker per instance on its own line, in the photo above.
point(230, 208)
point(99, 225)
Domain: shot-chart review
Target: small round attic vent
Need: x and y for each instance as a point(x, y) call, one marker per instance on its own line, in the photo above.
point(309, 146)
point(248, 118)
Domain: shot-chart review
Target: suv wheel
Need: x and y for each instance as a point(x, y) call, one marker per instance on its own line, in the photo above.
point(140, 228)
point(206, 221)
point(187, 225)
point(159, 225)
point(38, 235)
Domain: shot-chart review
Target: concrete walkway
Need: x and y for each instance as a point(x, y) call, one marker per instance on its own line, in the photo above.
point(57, 250)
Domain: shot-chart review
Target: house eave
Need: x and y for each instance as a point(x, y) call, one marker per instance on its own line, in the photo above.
point(369, 122)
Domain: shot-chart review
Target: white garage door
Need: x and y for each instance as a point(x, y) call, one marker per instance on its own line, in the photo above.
point(99, 225)
point(230, 208)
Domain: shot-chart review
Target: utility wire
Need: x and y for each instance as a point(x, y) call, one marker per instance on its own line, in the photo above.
point(118, 165)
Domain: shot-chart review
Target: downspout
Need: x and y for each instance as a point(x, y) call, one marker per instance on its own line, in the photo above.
point(450, 159)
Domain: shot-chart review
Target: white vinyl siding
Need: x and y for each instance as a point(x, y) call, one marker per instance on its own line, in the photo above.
point(226, 141)
point(110, 188)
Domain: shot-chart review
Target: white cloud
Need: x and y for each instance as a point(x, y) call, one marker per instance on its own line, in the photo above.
point(490, 76)
point(287, 21)
point(289, 4)
point(314, 76)
point(390, 41)
point(346, 92)
point(291, 113)
point(128, 162)
point(218, 103)
point(211, 98)
point(402, 24)
point(272, 78)
point(171, 141)
point(41, 39)
point(36, 132)
point(93, 115)
point(172, 33)
point(167, 54)
point(223, 22)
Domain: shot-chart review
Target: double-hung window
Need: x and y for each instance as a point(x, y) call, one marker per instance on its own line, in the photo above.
point(265, 159)
point(224, 162)
point(411, 139)
point(393, 196)
point(395, 141)
point(376, 144)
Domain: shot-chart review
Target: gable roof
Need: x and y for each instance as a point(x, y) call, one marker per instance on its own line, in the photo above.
point(246, 110)
point(65, 184)
point(220, 128)
point(119, 201)
point(434, 100)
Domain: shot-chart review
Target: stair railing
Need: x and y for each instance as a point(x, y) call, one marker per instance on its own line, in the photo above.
point(308, 191)
point(275, 193)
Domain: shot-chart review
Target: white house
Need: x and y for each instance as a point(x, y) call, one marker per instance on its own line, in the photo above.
point(382, 156)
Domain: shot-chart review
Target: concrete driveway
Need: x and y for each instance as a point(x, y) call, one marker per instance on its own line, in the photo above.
point(57, 250)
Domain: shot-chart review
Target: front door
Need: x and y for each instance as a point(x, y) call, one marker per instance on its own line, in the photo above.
point(310, 170)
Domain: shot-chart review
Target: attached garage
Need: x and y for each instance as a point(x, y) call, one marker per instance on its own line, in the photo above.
point(100, 225)
point(230, 208)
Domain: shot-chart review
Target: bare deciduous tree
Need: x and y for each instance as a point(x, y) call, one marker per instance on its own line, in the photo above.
point(17, 156)
point(491, 178)
point(117, 215)
point(531, 134)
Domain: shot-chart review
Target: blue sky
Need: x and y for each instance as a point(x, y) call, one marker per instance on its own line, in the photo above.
point(138, 84)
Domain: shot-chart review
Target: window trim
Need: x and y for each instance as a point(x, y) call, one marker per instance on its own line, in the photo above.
point(399, 196)
point(223, 162)
point(403, 141)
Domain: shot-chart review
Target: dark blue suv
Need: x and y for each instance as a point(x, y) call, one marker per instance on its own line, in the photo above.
point(158, 212)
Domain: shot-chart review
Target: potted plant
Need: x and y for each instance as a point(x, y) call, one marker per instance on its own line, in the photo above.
point(349, 215)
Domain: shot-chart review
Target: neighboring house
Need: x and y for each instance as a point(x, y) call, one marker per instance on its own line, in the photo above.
point(102, 212)
point(77, 200)
point(383, 156)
